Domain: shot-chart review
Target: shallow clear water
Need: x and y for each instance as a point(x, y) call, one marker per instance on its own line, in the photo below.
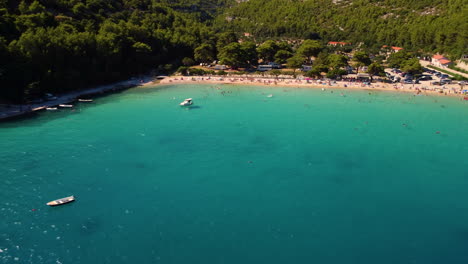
point(306, 176)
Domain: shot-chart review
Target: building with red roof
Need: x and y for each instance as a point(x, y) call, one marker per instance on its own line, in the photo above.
point(391, 49)
point(445, 62)
point(338, 43)
point(441, 61)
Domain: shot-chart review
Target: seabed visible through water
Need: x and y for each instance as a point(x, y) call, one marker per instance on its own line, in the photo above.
point(301, 176)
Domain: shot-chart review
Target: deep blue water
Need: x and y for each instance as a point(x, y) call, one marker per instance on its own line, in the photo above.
point(304, 176)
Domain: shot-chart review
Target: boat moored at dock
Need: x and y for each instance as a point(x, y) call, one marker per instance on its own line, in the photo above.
point(66, 105)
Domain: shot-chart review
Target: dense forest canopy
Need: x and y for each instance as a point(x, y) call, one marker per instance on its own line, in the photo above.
point(429, 25)
point(61, 45)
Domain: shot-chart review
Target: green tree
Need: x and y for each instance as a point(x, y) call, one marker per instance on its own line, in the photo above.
point(295, 63)
point(204, 53)
point(337, 61)
point(184, 70)
point(283, 45)
point(141, 47)
point(267, 50)
point(336, 73)
point(225, 39)
point(412, 66)
point(36, 7)
point(249, 52)
point(232, 55)
point(317, 70)
point(397, 59)
point(188, 61)
point(375, 69)
point(310, 48)
point(282, 56)
point(360, 59)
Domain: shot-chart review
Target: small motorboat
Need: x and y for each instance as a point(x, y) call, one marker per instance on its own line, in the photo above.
point(85, 100)
point(270, 96)
point(186, 102)
point(51, 108)
point(62, 201)
point(65, 105)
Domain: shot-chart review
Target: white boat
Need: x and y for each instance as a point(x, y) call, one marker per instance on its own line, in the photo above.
point(51, 108)
point(186, 102)
point(65, 105)
point(85, 100)
point(270, 95)
point(61, 201)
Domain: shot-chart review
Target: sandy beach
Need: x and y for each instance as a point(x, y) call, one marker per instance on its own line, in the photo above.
point(424, 88)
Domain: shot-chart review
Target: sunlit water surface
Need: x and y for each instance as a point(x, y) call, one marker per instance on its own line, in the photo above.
point(301, 176)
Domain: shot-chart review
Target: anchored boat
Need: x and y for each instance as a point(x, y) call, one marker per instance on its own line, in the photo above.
point(62, 201)
point(186, 102)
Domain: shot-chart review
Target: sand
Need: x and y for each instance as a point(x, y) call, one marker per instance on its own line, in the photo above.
point(424, 88)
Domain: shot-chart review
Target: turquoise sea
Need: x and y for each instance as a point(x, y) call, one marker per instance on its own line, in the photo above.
point(303, 176)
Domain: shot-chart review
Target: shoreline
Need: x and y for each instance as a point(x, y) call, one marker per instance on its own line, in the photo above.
point(11, 111)
point(417, 89)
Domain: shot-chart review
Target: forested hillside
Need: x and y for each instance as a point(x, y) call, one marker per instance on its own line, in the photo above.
point(429, 25)
point(61, 45)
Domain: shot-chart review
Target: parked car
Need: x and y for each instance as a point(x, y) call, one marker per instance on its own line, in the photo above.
point(444, 76)
point(425, 78)
point(408, 81)
point(445, 81)
point(435, 83)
